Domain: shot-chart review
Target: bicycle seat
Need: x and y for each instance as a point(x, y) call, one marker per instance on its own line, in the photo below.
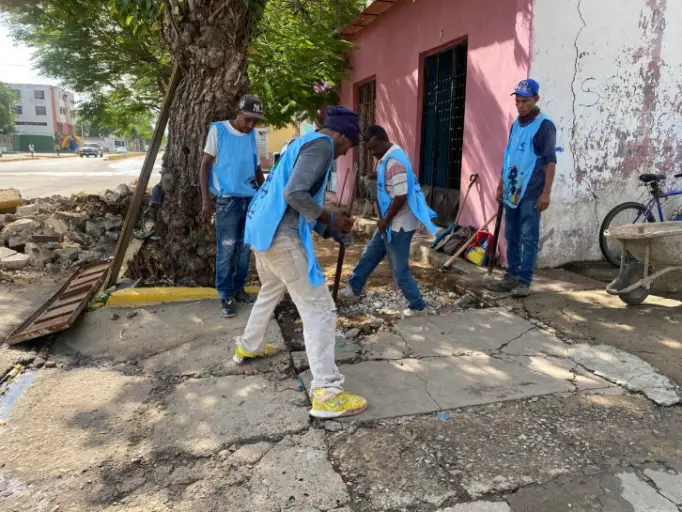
point(651, 178)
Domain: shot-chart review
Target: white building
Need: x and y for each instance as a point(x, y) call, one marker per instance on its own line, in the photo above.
point(43, 115)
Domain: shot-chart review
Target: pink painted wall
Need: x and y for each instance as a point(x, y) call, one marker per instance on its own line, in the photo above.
point(392, 50)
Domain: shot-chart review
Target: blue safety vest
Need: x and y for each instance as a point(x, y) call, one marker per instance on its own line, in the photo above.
point(519, 161)
point(268, 207)
point(415, 196)
point(233, 170)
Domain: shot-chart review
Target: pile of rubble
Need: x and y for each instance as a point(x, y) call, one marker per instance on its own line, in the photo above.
point(57, 233)
point(383, 303)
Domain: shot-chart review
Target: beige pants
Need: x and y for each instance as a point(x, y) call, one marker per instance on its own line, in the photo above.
point(284, 267)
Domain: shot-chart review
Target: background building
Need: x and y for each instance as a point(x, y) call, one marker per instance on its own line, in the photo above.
point(438, 74)
point(44, 114)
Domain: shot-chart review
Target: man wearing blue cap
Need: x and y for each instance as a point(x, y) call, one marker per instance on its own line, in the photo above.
point(279, 225)
point(525, 187)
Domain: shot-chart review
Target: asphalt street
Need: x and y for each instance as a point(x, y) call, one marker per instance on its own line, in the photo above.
point(68, 175)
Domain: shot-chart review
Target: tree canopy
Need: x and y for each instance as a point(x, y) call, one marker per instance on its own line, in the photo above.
point(112, 51)
point(7, 98)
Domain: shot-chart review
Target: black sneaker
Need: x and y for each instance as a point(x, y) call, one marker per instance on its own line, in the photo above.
point(227, 308)
point(504, 286)
point(520, 291)
point(244, 298)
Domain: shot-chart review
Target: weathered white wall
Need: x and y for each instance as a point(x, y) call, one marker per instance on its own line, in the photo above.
point(611, 76)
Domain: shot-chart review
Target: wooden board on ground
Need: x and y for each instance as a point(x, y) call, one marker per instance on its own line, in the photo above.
point(63, 308)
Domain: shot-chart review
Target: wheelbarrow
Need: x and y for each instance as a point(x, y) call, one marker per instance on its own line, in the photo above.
point(650, 250)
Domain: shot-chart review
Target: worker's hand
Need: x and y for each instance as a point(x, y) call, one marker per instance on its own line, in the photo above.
point(382, 225)
point(499, 194)
point(345, 239)
point(207, 209)
point(543, 202)
point(342, 222)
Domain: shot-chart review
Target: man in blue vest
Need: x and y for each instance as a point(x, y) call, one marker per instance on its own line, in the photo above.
point(279, 225)
point(525, 187)
point(231, 172)
point(403, 211)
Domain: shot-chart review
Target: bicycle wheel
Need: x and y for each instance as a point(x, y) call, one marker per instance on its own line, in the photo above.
point(626, 213)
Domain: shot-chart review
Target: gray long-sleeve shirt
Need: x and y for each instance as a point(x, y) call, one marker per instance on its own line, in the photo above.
point(306, 180)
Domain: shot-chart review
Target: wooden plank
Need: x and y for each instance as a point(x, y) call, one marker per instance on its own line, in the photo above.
point(64, 307)
point(145, 174)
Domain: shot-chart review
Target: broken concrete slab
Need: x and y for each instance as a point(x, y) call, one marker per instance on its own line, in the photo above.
point(391, 391)
point(26, 226)
point(204, 416)
point(613, 493)
point(668, 483)
point(6, 253)
point(27, 210)
point(416, 386)
point(68, 254)
point(39, 257)
point(89, 256)
point(87, 416)
point(57, 224)
point(479, 379)
point(479, 506)
point(249, 454)
point(345, 351)
point(537, 342)
point(297, 474)
point(212, 355)
point(179, 339)
point(648, 331)
point(15, 262)
point(453, 334)
point(626, 370)
point(641, 496)
point(561, 369)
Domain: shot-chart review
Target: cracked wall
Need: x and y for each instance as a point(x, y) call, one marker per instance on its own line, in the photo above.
point(611, 80)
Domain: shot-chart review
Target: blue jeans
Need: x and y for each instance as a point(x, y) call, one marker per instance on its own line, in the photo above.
point(400, 261)
point(523, 234)
point(232, 256)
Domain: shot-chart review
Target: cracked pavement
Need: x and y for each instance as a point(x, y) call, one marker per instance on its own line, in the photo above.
point(470, 411)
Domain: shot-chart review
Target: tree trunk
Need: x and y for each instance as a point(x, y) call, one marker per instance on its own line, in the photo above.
point(210, 42)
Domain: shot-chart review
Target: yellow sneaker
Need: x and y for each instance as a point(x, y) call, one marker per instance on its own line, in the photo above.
point(240, 355)
point(326, 405)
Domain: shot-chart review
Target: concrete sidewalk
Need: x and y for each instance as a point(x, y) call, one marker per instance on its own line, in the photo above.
point(471, 410)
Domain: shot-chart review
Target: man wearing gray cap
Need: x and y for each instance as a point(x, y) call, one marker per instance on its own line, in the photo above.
point(231, 172)
point(279, 225)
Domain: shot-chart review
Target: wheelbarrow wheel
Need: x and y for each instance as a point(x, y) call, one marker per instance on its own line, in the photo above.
point(635, 297)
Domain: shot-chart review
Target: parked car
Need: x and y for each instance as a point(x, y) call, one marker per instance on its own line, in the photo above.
point(121, 149)
point(90, 149)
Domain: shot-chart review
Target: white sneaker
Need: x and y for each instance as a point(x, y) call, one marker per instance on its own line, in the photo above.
point(349, 296)
point(412, 313)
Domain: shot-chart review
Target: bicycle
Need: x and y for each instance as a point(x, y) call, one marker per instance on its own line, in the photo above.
point(637, 211)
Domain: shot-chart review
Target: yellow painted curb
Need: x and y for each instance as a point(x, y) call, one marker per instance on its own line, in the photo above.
point(149, 296)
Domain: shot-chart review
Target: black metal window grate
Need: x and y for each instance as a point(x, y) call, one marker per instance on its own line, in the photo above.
point(443, 118)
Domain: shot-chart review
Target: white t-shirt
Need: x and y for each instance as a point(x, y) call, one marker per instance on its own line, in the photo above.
point(396, 185)
point(212, 140)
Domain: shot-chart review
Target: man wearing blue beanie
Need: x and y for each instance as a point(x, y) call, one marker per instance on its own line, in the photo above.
point(279, 225)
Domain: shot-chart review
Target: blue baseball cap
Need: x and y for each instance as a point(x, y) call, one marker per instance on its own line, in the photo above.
point(527, 88)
